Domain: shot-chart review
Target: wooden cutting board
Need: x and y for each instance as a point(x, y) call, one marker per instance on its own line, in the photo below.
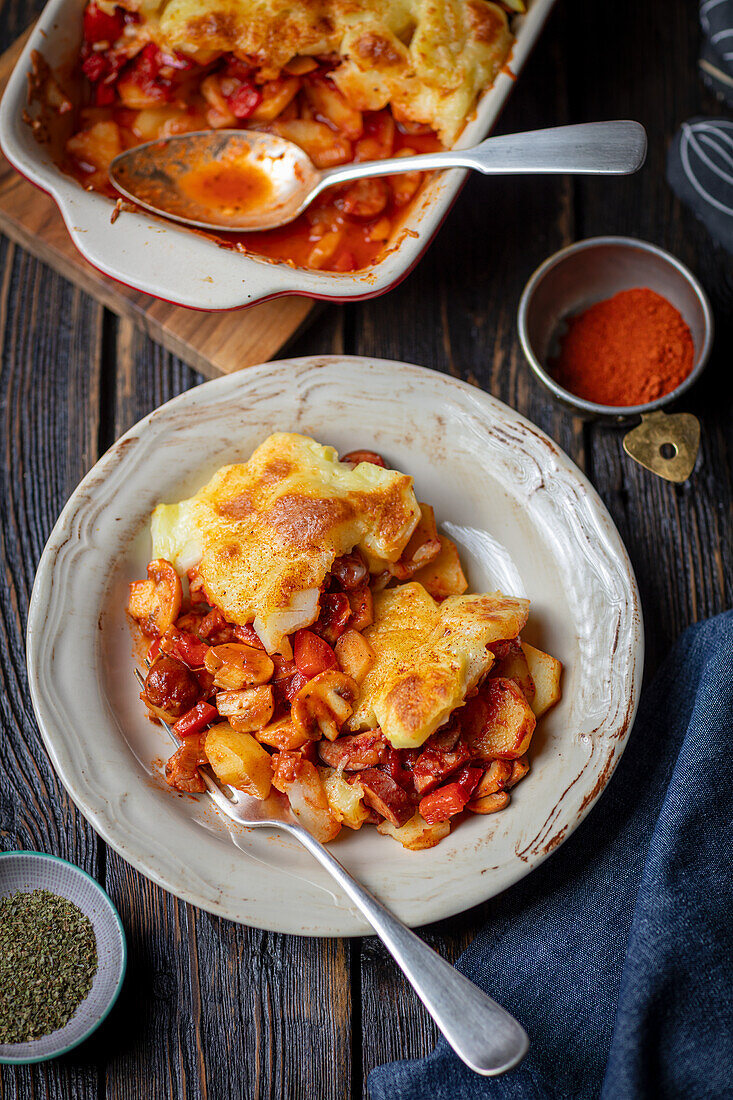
point(212, 343)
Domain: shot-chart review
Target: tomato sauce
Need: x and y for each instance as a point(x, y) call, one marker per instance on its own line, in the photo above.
point(231, 187)
point(362, 240)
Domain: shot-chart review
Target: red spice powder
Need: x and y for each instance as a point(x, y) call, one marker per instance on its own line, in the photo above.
point(628, 350)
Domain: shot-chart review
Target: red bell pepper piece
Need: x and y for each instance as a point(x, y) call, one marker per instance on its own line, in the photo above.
point(100, 27)
point(468, 779)
point(186, 647)
point(450, 799)
point(95, 66)
point(312, 654)
point(434, 765)
point(145, 72)
point(195, 720)
point(104, 95)
point(245, 100)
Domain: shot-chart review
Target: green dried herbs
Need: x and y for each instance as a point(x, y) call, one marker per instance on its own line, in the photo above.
point(48, 959)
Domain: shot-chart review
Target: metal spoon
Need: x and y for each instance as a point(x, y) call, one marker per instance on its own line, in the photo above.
point(247, 180)
point(480, 1031)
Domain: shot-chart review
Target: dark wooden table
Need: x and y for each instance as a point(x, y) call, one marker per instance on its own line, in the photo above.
point(211, 1009)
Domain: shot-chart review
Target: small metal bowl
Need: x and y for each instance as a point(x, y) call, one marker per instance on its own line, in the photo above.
point(590, 271)
point(27, 871)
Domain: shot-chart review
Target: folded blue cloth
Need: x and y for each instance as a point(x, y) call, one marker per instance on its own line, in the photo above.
point(617, 953)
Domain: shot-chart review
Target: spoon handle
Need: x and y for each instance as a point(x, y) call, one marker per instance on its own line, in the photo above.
point(480, 1031)
point(591, 148)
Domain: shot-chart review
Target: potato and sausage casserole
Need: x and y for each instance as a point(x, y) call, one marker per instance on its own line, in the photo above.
point(326, 646)
point(344, 79)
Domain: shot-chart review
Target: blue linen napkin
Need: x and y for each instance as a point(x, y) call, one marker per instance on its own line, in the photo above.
point(617, 953)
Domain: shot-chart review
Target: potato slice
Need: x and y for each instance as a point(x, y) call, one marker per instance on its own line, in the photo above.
point(545, 672)
point(496, 777)
point(161, 122)
point(237, 759)
point(328, 102)
point(520, 768)
point(514, 666)
point(361, 602)
point(345, 799)
point(323, 145)
point(498, 722)
point(416, 834)
point(97, 146)
point(443, 576)
point(282, 735)
point(355, 655)
point(276, 95)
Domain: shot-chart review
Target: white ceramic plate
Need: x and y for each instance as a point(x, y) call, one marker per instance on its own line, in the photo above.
point(169, 262)
point(526, 520)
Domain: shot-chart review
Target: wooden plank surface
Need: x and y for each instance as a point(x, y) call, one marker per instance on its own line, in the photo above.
point(49, 416)
point(211, 1010)
point(679, 537)
point(213, 343)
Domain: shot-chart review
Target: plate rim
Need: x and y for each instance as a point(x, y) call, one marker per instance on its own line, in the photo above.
point(345, 922)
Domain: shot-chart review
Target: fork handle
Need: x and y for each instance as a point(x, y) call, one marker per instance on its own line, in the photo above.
point(480, 1031)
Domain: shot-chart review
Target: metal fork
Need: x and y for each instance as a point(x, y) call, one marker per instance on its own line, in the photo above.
point(480, 1031)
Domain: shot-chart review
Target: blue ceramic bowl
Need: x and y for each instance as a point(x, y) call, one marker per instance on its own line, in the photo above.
point(25, 871)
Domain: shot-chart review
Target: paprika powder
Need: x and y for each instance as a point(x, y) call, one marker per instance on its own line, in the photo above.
point(627, 350)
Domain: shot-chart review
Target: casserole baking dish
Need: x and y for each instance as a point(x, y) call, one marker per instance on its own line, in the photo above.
point(188, 269)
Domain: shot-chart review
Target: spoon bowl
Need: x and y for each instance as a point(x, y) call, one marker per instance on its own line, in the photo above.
point(247, 181)
point(236, 180)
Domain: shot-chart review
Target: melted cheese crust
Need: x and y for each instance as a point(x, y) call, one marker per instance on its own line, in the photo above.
point(428, 656)
point(428, 58)
point(265, 533)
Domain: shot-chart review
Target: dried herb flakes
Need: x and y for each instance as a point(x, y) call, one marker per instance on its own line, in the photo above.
point(48, 959)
